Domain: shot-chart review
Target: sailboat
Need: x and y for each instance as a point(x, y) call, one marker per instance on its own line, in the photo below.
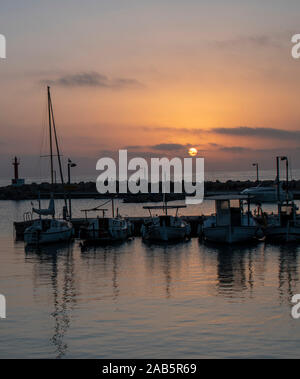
point(49, 230)
point(230, 223)
point(105, 229)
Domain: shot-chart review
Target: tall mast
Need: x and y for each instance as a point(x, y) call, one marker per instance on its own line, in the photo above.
point(51, 118)
point(287, 180)
point(278, 187)
point(56, 141)
point(50, 134)
point(164, 195)
point(113, 207)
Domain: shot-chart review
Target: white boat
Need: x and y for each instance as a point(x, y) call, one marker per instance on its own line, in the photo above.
point(105, 229)
point(230, 223)
point(47, 230)
point(285, 225)
point(265, 194)
point(165, 227)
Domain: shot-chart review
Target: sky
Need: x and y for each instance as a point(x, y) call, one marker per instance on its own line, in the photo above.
point(155, 77)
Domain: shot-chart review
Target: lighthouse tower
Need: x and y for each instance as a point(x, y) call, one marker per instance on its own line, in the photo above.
point(16, 181)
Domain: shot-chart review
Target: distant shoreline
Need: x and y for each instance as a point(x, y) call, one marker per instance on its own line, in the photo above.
point(87, 190)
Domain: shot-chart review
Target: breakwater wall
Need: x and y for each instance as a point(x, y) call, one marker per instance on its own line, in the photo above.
point(87, 190)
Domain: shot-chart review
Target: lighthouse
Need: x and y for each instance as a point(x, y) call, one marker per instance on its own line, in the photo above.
point(16, 181)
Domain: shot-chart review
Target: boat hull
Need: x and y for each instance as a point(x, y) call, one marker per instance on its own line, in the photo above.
point(227, 234)
point(36, 237)
point(282, 233)
point(100, 236)
point(165, 233)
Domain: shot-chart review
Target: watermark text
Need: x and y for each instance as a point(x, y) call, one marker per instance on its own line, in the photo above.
point(2, 306)
point(188, 176)
point(296, 47)
point(295, 312)
point(2, 46)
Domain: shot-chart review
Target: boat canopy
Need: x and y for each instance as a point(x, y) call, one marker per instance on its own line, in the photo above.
point(164, 206)
point(94, 210)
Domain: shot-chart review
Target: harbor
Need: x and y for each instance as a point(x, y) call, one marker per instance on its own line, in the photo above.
point(233, 221)
point(123, 249)
point(98, 278)
point(239, 216)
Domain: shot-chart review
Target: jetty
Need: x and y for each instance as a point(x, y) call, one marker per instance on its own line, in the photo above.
point(137, 222)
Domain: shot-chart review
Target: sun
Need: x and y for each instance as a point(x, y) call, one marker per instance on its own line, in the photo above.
point(193, 151)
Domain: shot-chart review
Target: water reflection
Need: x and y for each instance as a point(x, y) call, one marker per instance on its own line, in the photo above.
point(287, 273)
point(105, 262)
point(235, 268)
point(241, 268)
point(231, 271)
point(115, 277)
point(54, 264)
point(167, 259)
point(122, 286)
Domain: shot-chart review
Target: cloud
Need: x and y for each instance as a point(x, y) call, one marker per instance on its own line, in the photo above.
point(159, 147)
point(141, 154)
point(246, 131)
point(173, 130)
point(168, 146)
point(274, 150)
point(133, 147)
point(235, 149)
point(93, 79)
point(240, 131)
point(259, 40)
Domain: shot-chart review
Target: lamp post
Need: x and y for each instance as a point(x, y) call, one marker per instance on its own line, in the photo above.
point(70, 164)
point(287, 176)
point(257, 175)
point(282, 158)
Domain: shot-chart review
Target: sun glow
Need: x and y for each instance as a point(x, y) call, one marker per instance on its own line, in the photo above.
point(193, 151)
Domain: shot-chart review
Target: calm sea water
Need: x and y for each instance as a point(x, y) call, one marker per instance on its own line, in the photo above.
point(135, 300)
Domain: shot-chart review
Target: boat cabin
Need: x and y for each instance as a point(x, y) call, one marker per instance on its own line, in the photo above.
point(165, 220)
point(287, 213)
point(230, 210)
point(46, 224)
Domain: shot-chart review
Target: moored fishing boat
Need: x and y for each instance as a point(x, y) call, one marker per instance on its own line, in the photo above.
point(284, 226)
point(230, 223)
point(165, 227)
point(104, 229)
